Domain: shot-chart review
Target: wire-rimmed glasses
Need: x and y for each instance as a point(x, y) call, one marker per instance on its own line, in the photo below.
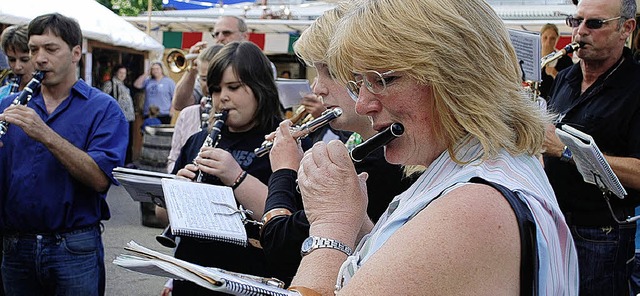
point(373, 80)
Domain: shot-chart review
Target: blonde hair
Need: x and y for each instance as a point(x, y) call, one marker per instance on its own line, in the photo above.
point(459, 48)
point(313, 43)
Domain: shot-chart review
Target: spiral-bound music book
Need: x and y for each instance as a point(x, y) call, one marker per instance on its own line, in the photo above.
point(203, 211)
point(589, 160)
point(155, 263)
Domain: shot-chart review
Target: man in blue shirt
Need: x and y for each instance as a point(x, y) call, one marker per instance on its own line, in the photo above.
point(55, 170)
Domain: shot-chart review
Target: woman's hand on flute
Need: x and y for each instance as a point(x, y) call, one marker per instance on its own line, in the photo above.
point(286, 152)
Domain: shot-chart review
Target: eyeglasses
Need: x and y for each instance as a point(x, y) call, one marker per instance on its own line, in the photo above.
point(575, 22)
point(224, 33)
point(375, 82)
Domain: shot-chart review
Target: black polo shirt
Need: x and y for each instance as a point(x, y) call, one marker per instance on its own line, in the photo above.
point(609, 111)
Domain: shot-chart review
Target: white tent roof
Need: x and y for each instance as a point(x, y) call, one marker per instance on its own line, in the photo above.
point(96, 21)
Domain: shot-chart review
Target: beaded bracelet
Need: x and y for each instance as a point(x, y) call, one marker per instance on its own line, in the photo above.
point(239, 180)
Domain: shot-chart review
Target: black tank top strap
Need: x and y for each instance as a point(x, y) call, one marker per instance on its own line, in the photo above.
point(528, 242)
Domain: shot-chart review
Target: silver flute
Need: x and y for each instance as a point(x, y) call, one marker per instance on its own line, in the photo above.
point(299, 132)
point(213, 137)
point(24, 97)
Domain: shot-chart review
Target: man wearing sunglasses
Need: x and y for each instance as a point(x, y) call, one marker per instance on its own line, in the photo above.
point(601, 97)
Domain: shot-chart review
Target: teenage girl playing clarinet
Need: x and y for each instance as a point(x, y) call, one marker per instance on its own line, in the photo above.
point(239, 80)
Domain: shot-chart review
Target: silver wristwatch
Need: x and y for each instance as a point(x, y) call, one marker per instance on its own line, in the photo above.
point(313, 242)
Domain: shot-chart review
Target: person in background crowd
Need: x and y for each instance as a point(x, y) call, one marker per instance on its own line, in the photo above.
point(482, 218)
point(158, 90)
point(72, 136)
point(285, 224)
point(549, 36)
point(239, 80)
point(227, 29)
point(14, 44)
point(285, 74)
point(599, 96)
point(116, 88)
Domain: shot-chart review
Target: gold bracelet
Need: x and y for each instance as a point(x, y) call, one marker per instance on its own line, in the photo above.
point(273, 213)
point(304, 291)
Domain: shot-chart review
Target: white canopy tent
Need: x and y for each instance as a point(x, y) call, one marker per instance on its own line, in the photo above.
point(96, 21)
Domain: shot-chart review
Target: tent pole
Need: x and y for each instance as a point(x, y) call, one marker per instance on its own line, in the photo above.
point(148, 17)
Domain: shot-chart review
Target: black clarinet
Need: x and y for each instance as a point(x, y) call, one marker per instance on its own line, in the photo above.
point(24, 97)
point(212, 139)
point(167, 238)
point(380, 139)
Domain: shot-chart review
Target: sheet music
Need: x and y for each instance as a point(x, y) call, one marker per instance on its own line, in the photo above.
point(143, 186)
point(291, 91)
point(527, 47)
point(204, 211)
point(590, 162)
point(155, 263)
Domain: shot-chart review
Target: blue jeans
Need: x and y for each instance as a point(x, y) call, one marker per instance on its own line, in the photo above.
point(605, 258)
point(69, 263)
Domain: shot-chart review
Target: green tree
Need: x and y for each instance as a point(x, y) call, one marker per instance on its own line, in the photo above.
point(130, 7)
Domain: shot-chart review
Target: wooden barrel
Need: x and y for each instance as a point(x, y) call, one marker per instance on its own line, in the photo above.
point(156, 144)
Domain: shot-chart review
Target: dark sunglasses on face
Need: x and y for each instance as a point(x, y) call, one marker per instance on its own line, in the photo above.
point(224, 33)
point(575, 22)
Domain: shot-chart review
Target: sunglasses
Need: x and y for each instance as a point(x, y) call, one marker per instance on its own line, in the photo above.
point(224, 33)
point(375, 82)
point(575, 22)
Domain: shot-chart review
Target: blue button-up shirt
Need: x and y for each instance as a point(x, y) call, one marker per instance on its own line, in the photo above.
point(37, 193)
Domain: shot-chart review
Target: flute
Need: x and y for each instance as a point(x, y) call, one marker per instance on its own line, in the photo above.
point(304, 130)
point(24, 97)
point(380, 139)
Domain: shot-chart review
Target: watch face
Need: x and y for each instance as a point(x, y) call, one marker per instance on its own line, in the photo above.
point(306, 245)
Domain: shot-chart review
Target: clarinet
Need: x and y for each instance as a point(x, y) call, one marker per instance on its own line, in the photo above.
point(380, 139)
point(213, 138)
point(24, 97)
point(167, 238)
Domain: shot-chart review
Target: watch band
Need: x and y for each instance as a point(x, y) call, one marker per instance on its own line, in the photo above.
point(566, 154)
point(313, 243)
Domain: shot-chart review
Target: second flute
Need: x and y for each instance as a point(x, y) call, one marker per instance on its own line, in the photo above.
point(303, 130)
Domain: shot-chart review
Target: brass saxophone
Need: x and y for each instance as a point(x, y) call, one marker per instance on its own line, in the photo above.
point(24, 97)
point(569, 48)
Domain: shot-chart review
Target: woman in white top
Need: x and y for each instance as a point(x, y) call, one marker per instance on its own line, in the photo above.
point(446, 70)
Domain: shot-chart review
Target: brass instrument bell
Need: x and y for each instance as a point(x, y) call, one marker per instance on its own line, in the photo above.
point(179, 61)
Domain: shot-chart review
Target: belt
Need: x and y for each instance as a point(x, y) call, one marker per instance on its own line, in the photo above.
point(58, 233)
point(597, 219)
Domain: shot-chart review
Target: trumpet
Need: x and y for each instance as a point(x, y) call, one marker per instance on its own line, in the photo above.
point(380, 139)
point(304, 130)
point(571, 47)
point(179, 61)
point(24, 97)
